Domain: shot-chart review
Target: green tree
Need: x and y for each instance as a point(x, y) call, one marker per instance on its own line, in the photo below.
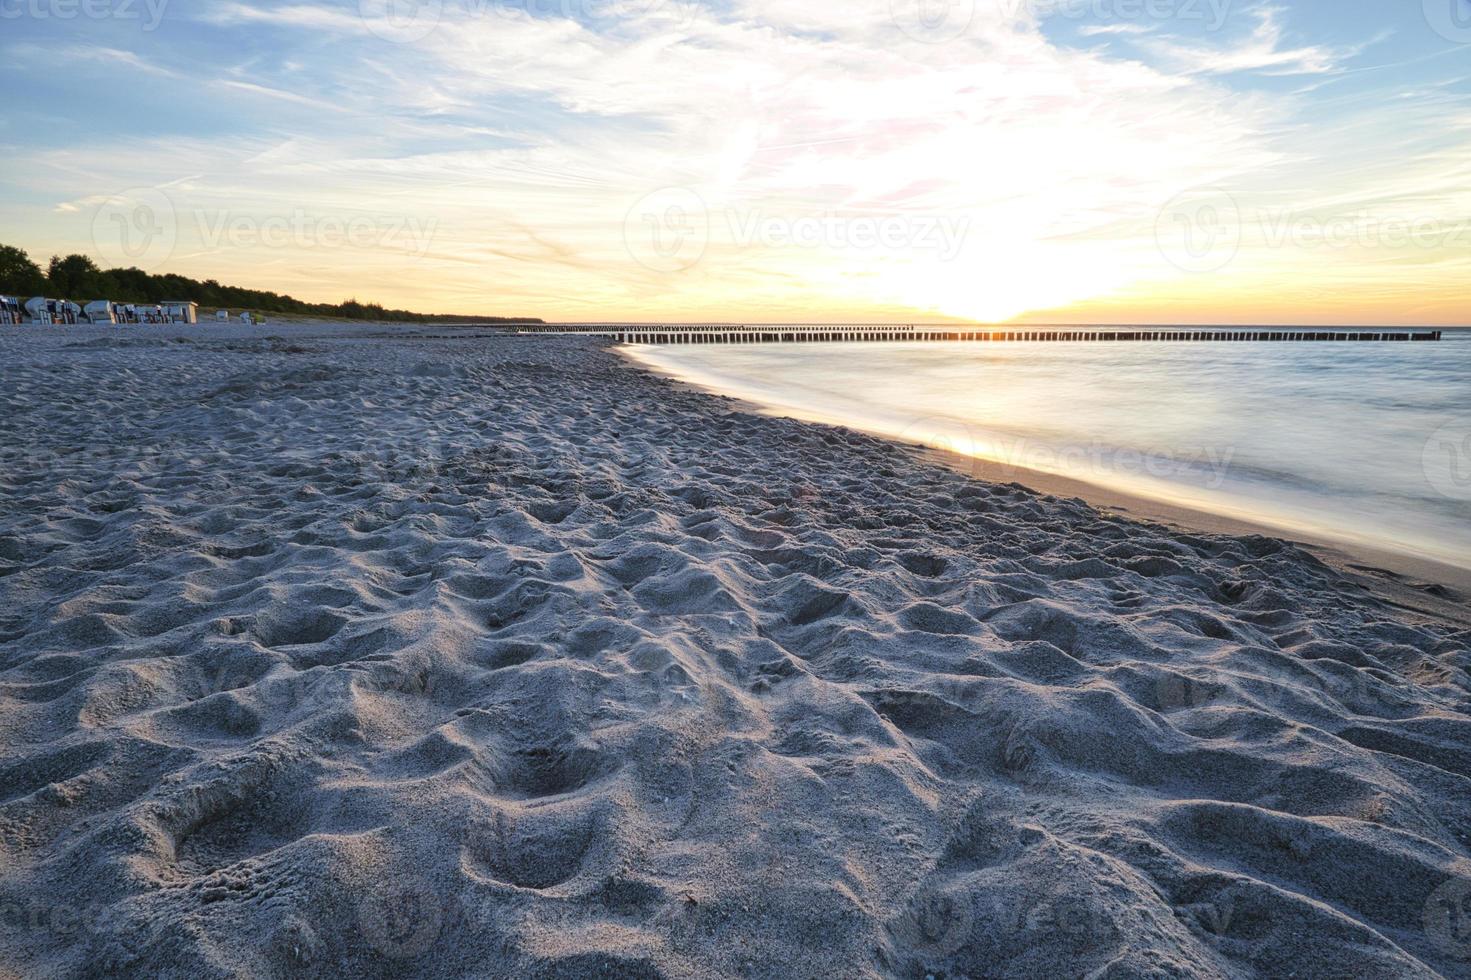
point(75, 277)
point(78, 278)
point(19, 276)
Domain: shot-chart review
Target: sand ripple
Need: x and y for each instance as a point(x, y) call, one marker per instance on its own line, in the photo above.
point(454, 656)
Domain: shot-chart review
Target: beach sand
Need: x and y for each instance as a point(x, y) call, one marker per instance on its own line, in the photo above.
point(1414, 582)
point(393, 651)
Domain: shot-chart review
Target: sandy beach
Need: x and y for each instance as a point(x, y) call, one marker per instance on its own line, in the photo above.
point(389, 651)
point(1414, 582)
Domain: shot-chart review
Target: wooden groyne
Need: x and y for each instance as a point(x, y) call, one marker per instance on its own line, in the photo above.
point(819, 334)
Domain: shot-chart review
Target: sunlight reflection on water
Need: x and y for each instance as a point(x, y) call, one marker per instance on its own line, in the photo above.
point(1366, 442)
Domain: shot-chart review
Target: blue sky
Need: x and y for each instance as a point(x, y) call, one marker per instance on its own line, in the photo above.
point(878, 159)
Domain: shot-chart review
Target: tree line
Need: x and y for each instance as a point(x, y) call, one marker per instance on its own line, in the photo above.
point(78, 278)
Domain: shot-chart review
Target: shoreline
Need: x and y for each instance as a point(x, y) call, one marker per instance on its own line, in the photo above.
point(389, 651)
point(1411, 582)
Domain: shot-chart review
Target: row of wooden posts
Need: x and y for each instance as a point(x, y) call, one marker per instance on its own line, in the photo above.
point(724, 334)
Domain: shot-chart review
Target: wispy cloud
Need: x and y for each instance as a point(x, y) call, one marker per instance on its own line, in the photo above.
point(1265, 50)
point(310, 16)
point(1102, 30)
point(83, 55)
point(276, 93)
point(128, 59)
point(530, 144)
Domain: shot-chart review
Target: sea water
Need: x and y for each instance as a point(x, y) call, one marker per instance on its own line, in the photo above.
point(1360, 442)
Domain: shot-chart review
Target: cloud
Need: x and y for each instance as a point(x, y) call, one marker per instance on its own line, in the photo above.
point(336, 19)
point(1098, 30)
point(81, 55)
point(528, 142)
point(126, 58)
point(1263, 51)
point(276, 93)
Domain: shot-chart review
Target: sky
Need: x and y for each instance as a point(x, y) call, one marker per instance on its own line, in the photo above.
point(1097, 161)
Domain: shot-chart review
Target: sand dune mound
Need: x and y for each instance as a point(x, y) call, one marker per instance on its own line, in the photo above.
point(492, 656)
